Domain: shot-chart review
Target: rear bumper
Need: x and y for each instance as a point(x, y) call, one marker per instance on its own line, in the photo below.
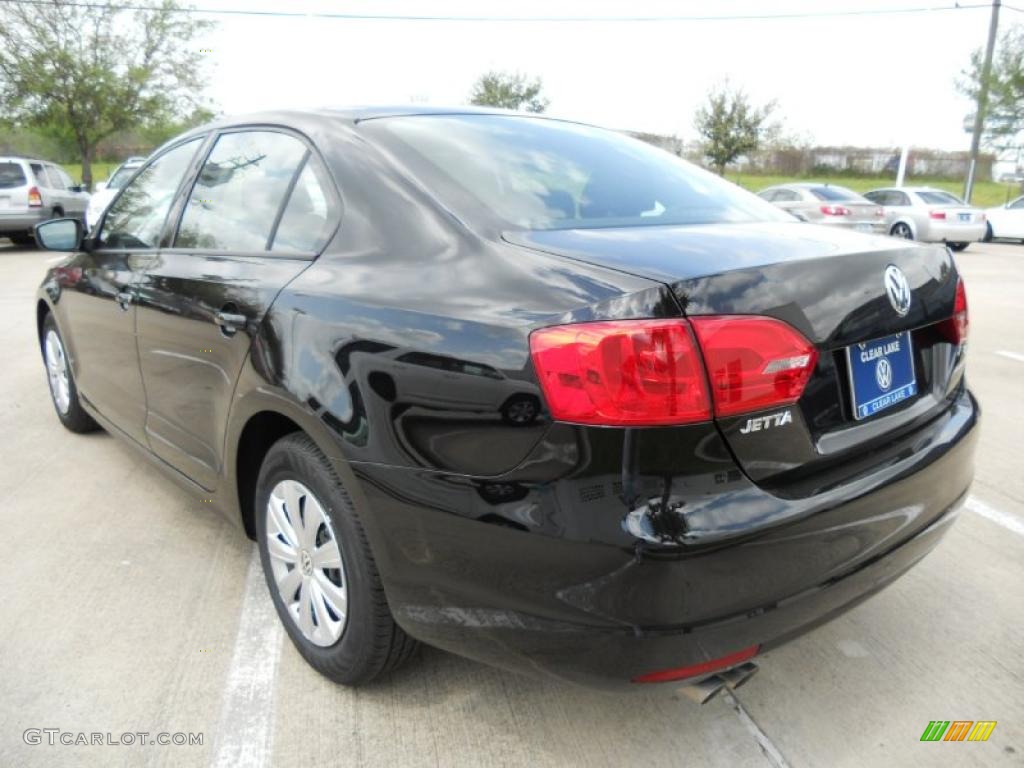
point(20, 221)
point(868, 227)
point(937, 232)
point(567, 603)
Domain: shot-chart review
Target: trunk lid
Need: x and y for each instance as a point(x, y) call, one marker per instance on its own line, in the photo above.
point(827, 283)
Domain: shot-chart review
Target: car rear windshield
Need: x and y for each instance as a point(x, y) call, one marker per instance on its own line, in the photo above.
point(11, 175)
point(122, 175)
point(940, 198)
point(834, 193)
point(534, 173)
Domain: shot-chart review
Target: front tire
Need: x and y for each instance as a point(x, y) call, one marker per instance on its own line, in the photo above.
point(320, 570)
point(63, 392)
point(22, 240)
point(957, 246)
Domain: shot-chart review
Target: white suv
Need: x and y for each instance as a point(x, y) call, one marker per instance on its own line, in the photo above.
point(32, 191)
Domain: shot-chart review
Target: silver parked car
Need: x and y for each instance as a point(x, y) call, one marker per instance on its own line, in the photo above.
point(32, 191)
point(827, 204)
point(930, 215)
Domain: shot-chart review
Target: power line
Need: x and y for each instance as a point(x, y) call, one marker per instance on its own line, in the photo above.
point(530, 19)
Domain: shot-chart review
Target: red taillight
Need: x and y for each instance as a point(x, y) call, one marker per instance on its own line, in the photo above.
point(705, 667)
point(955, 328)
point(624, 372)
point(940, 215)
point(835, 210)
point(753, 362)
point(649, 372)
point(35, 200)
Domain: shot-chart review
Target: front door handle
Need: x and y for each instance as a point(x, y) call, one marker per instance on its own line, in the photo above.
point(123, 298)
point(229, 322)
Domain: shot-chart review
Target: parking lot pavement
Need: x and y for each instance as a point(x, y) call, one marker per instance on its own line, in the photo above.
point(127, 607)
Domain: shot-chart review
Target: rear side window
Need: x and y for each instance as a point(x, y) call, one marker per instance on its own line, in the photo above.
point(37, 171)
point(11, 175)
point(307, 219)
point(834, 193)
point(787, 196)
point(137, 216)
point(239, 192)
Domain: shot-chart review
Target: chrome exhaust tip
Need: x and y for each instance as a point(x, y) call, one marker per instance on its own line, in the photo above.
point(737, 676)
point(705, 690)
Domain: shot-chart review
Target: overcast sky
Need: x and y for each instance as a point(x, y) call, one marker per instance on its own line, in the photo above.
point(863, 80)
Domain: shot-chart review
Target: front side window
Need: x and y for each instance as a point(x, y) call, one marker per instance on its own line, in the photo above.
point(56, 182)
point(934, 197)
point(835, 194)
point(1018, 203)
point(239, 191)
point(137, 216)
point(533, 173)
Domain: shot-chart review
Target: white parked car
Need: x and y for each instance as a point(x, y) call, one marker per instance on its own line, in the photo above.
point(1006, 221)
point(930, 215)
point(107, 190)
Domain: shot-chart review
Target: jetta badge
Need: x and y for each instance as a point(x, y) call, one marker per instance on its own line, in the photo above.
point(898, 289)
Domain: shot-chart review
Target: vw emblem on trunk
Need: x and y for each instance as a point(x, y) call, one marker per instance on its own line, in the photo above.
point(898, 289)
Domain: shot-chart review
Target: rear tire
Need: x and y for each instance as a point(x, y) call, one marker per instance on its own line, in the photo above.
point(903, 230)
point(957, 246)
point(22, 240)
point(63, 392)
point(336, 613)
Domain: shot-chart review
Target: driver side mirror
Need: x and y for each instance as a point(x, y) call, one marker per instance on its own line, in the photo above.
point(59, 234)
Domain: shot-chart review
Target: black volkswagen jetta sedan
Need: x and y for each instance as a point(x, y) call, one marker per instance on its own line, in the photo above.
point(523, 389)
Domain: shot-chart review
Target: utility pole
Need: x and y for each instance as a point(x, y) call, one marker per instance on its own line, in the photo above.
point(979, 114)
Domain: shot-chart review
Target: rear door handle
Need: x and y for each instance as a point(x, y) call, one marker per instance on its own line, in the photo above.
point(123, 298)
point(229, 322)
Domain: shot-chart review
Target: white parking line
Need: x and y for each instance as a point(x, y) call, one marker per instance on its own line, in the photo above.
point(1012, 355)
point(1009, 521)
point(245, 733)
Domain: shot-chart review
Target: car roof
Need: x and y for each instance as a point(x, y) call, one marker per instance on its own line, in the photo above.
point(19, 159)
point(309, 118)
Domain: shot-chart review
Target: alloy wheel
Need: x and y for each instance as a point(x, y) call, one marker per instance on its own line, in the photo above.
point(57, 371)
point(306, 562)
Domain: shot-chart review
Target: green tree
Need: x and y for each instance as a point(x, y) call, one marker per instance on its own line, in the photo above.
point(1004, 111)
point(83, 72)
point(730, 126)
point(508, 90)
